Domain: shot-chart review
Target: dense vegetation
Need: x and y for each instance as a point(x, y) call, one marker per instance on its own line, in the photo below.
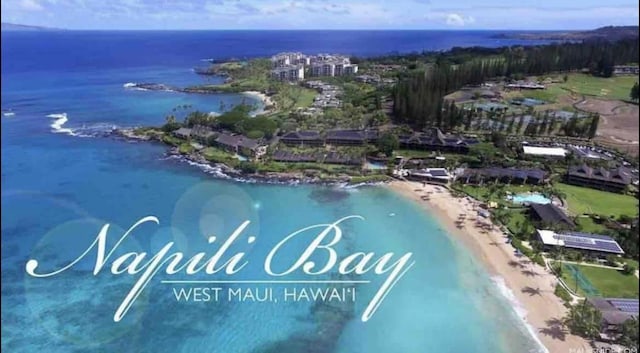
point(418, 99)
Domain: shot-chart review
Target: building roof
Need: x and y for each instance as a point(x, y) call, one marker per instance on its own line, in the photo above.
point(352, 135)
point(582, 241)
point(438, 173)
point(302, 135)
point(435, 137)
point(545, 151)
point(183, 131)
point(616, 311)
point(507, 172)
point(618, 175)
point(236, 141)
point(551, 214)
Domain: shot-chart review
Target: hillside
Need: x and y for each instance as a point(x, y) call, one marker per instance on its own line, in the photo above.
point(611, 33)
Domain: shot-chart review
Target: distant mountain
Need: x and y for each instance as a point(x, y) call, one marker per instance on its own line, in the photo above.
point(611, 33)
point(16, 27)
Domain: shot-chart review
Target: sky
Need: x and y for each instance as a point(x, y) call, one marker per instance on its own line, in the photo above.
point(320, 14)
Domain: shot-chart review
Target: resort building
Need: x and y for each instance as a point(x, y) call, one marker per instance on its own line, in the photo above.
point(550, 215)
point(566, 115)
point(504, 175)
point(240, 145)
point(289, 58)
point(183, 133)
point(302, 139)
point(332, 66)
point(202, 134)
point(524, 85)
point(351, 137)
point(292, 157)
point(288, 73)
point(593, 245)
point(434, 140)
point(614, 312)
point(626, 70)
point(556, 152)
point(615, 180)
point(434, 175)
point(316, 157)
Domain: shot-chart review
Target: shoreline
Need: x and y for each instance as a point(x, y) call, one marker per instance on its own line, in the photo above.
point(532, 285)
point(266, 101)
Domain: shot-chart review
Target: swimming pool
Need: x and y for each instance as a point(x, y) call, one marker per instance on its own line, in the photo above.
point(529, 198)
point(375, 166)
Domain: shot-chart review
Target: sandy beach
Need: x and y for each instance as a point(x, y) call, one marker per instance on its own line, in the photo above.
point(531, 284)
point(266, 101)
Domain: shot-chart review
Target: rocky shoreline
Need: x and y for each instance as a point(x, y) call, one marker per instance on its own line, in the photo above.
point(150, 86)
point(224, 171)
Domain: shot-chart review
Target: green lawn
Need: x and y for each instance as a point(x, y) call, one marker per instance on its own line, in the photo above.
point(616, 87)
point(549, 95)
point(608, 282)
point(519, 223)
point(482, 192)
point(586, 200)
point(586, 224)
point(290, 97)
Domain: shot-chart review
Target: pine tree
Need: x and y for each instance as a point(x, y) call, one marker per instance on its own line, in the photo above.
point(634, 92)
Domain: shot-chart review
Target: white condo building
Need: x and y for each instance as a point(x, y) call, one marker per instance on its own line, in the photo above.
point(288, 73)
point(291, 66)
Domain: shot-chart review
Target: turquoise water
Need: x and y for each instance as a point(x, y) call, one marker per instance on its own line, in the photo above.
point(530, 198)
point(375, 166)
point(60, 185)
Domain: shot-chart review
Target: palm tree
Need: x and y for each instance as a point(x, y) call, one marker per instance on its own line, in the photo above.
point(584, 320)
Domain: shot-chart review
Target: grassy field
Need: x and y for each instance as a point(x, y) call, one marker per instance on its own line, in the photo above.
point(616, 87)
point(519, 223)
point(586, 224)
point(290, 97)
point(585, 200)
point(608, 282)
point(549, 95)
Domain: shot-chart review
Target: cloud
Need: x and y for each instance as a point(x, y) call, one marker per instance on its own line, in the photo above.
point(31, 5)
point(454, 19)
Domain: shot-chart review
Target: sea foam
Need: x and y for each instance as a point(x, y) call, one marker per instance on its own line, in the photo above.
point(506, 292)
point(92, 130)
point(57, 125)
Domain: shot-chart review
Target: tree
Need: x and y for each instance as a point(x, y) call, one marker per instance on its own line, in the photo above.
point(629, 334)
point(387, 143)
point(634, 92)
point(584, 320)
point(498, 139)
point(593, 126)
point(170, 124)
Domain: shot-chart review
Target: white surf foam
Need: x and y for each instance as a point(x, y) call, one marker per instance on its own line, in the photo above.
point(133, 86)
point(506, 292)
point(207, 168)
point(93, 130)
point(57, 126)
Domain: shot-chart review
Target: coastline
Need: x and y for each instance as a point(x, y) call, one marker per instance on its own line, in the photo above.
point(266, 101)
point(532, 285)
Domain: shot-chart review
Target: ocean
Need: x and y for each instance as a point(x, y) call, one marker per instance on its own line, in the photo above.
point(63, 179)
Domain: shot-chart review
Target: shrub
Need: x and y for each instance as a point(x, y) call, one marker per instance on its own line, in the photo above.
point(562, 293)
point(248, 167)
point(612, 260)
point(255, 134)
point(628, 269)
